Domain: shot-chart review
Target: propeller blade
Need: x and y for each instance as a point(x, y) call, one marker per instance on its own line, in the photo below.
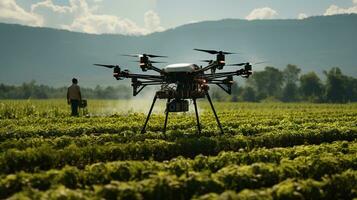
point(143, 55)
point(257, 63)
point(131, 55)
point(207, 51)
point(208, 61)
point(107, 66)
point(238, 64)
point(242, 64)
point(157, 62)
point(214, 51)
point(227, 53)
point(150, 61)
point(155, 56)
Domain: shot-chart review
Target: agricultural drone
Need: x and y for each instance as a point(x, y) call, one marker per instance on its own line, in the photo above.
point(181, 82)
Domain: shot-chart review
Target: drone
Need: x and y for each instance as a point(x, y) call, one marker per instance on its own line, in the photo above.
point(182, 82)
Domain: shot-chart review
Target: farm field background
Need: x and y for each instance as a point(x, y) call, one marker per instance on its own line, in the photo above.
point(268, 151)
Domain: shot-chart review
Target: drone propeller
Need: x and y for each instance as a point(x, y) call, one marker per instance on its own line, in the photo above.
point(257, 63)
point(150, 61)
point(246, 63)
point(238, 64)
point(144, 55)
point(107, 66)
point(154, 56)
point(157, 62)
point(208, 61)
point(131, 55)
point(214, 51)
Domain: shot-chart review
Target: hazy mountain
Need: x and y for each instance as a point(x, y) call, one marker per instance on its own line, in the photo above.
point(53, 57)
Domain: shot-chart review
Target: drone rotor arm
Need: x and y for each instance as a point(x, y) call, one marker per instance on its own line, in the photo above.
point(240, 72)
point(138, 85)
point(208, 67)
point(142, 76)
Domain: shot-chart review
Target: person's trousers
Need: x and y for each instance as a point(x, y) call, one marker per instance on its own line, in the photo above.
point(74, 107)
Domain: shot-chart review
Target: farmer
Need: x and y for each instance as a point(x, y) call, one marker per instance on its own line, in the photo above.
point(74, 97)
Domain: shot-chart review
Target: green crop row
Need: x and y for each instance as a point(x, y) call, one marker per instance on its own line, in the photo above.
point(46, 156)
point(234, 169)
point(24, 140)
point(56, 108)
point(33, 127)
point(156, 182)
point(337, 186)
point(268, 151)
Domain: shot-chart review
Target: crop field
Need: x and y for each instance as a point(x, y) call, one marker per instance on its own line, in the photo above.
point(268, 151)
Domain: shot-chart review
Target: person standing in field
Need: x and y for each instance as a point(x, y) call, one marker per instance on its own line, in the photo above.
point(74, 97)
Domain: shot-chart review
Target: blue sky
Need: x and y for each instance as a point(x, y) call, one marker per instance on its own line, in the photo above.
point(136, 17)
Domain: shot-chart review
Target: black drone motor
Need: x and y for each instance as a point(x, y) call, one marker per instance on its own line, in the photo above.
point(248, 70)
point(144, 62)
point(221, 60)
point(116, 72)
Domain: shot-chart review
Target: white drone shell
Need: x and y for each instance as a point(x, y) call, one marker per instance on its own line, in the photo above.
point(180, 67)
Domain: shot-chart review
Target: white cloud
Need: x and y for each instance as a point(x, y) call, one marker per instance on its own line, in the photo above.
point(48, 4)
point(336, 10)
point(152, 21)
point(105, 24)
point(12, 13)
point(302, 16)
point(262, 13)
point(77, 15)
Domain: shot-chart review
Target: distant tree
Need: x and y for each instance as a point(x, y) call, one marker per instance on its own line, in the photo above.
point(352, 89)
point(339, 87)
point(291, 76)
point(40, 92)
point(311, 88)
point(236, 92)
point(291, 73)
point(249, 94)
point(217, 94)
point(290, 93)
point(267, 83)
point(32, 90)
point(26, 90)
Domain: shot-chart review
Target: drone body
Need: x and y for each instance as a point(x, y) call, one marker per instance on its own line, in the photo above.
point(182, 82)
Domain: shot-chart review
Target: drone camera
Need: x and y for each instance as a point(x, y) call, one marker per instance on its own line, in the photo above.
point(177, 106)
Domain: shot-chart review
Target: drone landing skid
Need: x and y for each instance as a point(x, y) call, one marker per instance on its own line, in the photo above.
point(143, 130)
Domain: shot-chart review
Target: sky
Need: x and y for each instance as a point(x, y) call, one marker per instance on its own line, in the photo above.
point(140, 17)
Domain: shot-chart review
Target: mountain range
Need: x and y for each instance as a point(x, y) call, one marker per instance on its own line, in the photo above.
point(53, 57)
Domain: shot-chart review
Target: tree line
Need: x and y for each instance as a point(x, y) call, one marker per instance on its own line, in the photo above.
point(31, 90)
point(271, 84)
point(289, 85)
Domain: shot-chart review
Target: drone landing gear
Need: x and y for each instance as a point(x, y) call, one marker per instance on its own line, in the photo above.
point(214, 112)
point(166, 118)
point(148, 117)
point(196, 112)
point(197, 118)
